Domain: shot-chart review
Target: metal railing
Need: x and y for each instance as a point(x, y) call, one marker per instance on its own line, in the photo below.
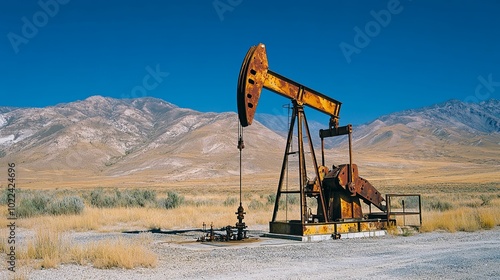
point(404, 205)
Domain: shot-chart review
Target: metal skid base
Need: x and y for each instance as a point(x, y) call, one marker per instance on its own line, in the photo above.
point(323, 237)
point(335, 229)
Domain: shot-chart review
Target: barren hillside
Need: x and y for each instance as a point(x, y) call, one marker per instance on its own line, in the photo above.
point(142, 142)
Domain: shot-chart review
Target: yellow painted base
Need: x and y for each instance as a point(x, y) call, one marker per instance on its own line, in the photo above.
point(297, 228)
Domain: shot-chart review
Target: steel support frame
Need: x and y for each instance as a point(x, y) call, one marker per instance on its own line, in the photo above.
point(298, 116)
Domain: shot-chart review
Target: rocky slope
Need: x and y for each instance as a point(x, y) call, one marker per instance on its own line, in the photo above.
point(113, 139)
point(449, 123)
point(448, 142)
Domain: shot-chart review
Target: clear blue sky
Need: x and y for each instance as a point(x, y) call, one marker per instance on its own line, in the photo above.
point(427, 52)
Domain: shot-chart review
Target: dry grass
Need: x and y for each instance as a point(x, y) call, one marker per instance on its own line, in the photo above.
point(119, 252)
point(186, 216)
point(461, 219)
point(84, 222)
point(123, 219)
point(3, 240)
point(450, 207)
point(50, 248)
point(459, 211)
point(47, 246)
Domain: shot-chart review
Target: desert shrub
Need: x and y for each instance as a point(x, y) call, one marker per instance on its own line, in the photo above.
point(196, 202)
point(474, 203)
point(438, 205)
point(200, 203)
point(125, 198)
point(289, 199)
point(230, 201)
point(4, 196)
point(173, 200)
point(102, 200)
point(32, 205)
point(271, 199)
point(136, 198)
point(66, 206)
point(486, 199)
point(255, 205)
point(292, 199)
point(144, 197)
point(149, 195)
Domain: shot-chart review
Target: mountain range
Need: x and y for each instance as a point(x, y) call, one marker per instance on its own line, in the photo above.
point(148, 141)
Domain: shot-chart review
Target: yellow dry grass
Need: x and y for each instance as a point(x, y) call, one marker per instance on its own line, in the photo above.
point(118, 252)
point(122, 219)
point(49, 248)
point(461, 208)
point(3, 240)
point(461, 219)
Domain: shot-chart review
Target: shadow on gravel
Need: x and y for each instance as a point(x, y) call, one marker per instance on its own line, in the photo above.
point(163, 231)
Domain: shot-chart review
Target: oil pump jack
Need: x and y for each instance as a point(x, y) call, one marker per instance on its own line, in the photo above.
point(338, 191)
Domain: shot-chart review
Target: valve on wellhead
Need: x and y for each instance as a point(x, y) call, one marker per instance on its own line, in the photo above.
point(240, 225)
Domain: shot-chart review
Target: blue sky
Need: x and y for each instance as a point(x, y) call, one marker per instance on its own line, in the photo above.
point(189, 52)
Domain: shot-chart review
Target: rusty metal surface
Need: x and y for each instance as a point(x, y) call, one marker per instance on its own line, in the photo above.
point(339, 178)
point(314, 186)
point(282, 86)
point(342, 205)
point(291, 89)
point(296, 228)
point(255, 74)
point(369, 194)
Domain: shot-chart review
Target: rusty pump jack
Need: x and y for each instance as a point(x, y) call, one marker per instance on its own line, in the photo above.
point(337, 191)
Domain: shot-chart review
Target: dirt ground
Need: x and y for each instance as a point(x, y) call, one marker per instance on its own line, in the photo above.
point(436, 255)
